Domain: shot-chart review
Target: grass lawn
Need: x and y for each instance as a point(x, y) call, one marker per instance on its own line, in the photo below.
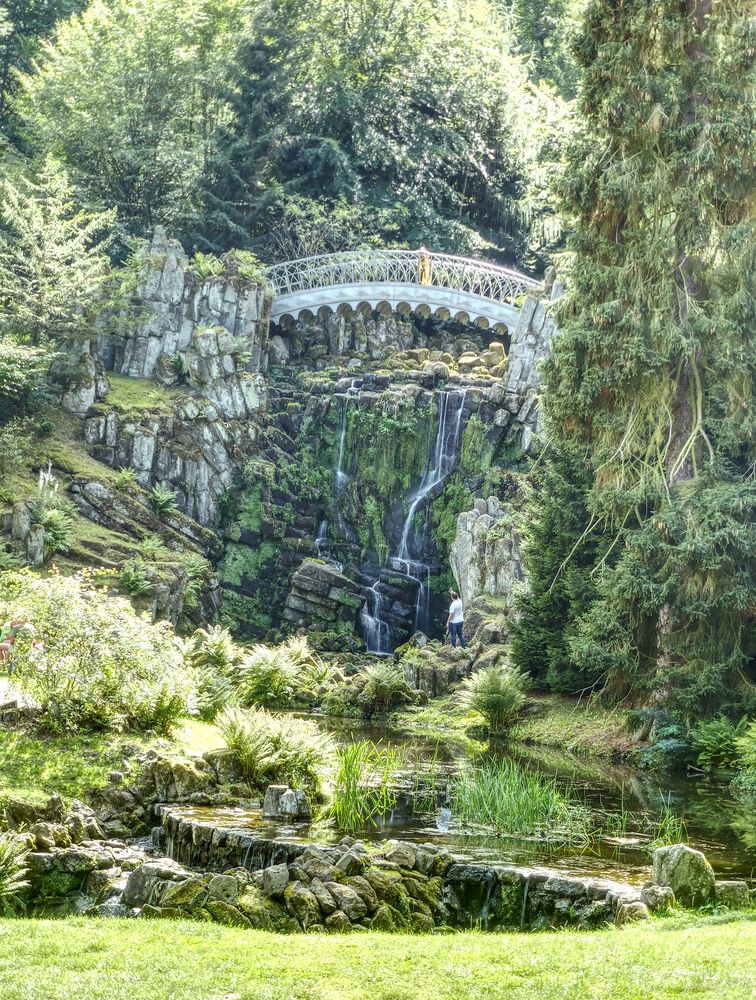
point(97, 959)
point(33, 766)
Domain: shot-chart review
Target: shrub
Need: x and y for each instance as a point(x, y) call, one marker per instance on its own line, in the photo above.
point(276, 748)
point(125, 480)
point(197, 571)
point(13, 447)
point(162, 498)
point(745, 743)
point(215, 655)
point(385, 687)
point(101, 665)
point(714, 742)
point(280, 675)
point(53, 511)
point(44, 427)
point(496, 692)
point(12, 870)
point(134, 578)
point(152, 546)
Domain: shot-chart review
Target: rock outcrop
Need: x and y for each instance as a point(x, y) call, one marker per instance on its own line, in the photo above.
point(194, 450)
point(531, 343)
point(321, 597)
point(177, 306)
point(485, 555)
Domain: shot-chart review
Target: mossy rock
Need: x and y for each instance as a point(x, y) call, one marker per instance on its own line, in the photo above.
point(225, 913)
point(263, 913)
point(187, 895)
point(426, 891)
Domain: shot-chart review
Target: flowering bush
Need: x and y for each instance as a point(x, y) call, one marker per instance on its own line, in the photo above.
point(88, 660)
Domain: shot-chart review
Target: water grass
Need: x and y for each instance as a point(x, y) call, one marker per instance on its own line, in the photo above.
point(669, 828)
point(364, 784)
point(514, 800)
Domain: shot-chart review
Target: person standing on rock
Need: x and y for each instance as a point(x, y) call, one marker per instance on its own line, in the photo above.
point(456, 619)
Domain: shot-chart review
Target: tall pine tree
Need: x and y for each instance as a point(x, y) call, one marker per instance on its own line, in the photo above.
point(654, 370)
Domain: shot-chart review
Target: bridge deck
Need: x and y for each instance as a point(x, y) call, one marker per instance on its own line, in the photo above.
point(441, 283)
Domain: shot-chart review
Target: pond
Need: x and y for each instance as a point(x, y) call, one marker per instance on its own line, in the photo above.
point(716, 822)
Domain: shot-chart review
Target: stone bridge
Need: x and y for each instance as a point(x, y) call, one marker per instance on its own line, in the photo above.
point(469, 291)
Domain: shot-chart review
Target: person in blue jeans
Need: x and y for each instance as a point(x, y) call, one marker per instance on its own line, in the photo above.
point(456, 619)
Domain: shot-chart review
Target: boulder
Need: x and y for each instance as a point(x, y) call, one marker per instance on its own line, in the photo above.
point(348, 900)
point(302, 904)
point(732, 893)
point(686, 871)
point(338, 923)
point(275, 879)
point(657, 897)
point(272, 800)
point(630, 912)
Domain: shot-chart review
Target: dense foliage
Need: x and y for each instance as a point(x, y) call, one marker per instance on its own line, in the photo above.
point(653, 372)
point(88, 660)
point(374, 120)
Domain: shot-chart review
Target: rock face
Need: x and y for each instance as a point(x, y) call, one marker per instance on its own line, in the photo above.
point(686, 871)
point(180, 308)
point(485, 555)
point(376, 335)
point(194, 450)
point(321, 597)
point(531, 343)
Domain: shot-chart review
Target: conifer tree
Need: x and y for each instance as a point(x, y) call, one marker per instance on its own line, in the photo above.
point(654, 369)
point(53, 260)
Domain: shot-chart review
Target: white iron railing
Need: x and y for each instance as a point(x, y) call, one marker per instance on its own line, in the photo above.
point(414, 267)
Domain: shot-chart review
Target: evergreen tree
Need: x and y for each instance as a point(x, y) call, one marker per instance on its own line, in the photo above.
point(654, 369)
point(53, 261)
point(561, 543)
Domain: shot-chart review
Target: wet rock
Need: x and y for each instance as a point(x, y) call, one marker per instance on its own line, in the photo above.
point(272, 801)
point(686, 871)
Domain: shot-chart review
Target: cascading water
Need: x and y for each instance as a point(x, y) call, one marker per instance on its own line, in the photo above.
point(408, 561)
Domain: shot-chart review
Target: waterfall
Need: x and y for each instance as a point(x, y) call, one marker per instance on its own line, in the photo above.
point(408, 560)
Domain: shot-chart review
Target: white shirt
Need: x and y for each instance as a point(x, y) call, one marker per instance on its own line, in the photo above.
point(457, 612)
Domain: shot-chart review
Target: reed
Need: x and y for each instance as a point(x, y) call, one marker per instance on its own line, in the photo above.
point(364, 782)
point(514, 800)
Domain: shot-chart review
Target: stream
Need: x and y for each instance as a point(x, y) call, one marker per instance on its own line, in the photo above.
point(717, 823)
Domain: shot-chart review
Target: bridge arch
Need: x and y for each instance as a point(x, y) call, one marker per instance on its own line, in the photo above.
point(416, 280)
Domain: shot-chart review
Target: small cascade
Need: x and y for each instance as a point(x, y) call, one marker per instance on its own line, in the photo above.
point(409, 561)
point(375, 629)
point(321, 539)
point(341, 477)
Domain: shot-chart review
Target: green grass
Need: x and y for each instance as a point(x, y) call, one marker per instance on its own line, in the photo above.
point(96, 959)
point(581, 727)
point(34, 766)
point(513, 799)
point(134, 395)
